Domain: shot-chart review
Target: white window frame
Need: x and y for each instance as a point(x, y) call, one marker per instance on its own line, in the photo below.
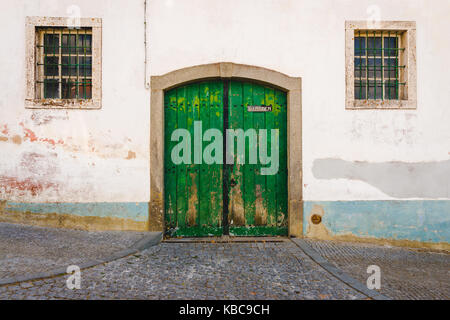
point(408, 93)
point(32, 99)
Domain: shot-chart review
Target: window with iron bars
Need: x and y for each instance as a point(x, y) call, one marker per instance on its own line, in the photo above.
point(378, 64)
point(64, 63)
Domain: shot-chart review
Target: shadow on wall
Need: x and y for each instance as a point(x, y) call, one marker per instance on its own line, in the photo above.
point(396, 179)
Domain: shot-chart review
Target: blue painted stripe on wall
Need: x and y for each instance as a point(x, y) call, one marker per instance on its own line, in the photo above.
point(137, 211)
point(425, 221)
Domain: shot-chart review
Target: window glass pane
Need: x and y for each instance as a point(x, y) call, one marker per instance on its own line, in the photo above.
point(73, 89)
point(69, 66)
point(374, 46)
point(390, 43)
point(360, 90)
point(68, 43)
point(84, 43)
point(51, 66)
point(391, 90)
point(85, 66)
point(360, 67)
point(69, 89)
point(390, 70)
point(51, 89)
point(85, 89)
point(375, 92)
point(51, 43)
point(374, 67)
point(360, 46)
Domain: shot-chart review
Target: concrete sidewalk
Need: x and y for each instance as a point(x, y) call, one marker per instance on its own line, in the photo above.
point(36, 252)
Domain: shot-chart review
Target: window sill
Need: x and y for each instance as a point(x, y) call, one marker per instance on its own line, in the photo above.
point(62, 104)
point(381, 104)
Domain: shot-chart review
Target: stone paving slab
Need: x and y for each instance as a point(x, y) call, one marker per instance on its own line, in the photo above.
point(27, 250)
point(406, 273)
point(271, 270)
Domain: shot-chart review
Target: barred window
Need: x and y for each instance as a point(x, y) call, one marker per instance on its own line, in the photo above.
point(64, 63)
point(378, 71)
point(380, 65)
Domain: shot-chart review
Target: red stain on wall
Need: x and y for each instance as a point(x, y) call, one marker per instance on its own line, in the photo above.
point(41, 165)
point(5, 129)
point(30, 135)
point(10, 185)
point(51, 141)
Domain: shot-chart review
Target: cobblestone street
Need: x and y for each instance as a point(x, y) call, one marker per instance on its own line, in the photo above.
point(30, 249)
point(198, 271)
point(405, 273)
point(248, 270)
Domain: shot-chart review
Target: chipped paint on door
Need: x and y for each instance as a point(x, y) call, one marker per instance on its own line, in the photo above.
point(258, 203)
point(216, 199)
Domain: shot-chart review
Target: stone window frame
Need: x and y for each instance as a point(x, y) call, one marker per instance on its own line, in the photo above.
point(31, 25)
point(408, 98)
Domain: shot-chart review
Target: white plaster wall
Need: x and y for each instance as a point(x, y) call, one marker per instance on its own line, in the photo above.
point(306, 38)
point(297, 37)
point(90, 162)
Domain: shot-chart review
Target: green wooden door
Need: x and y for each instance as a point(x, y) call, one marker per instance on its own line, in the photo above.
point(233, 198)
point(257, 203)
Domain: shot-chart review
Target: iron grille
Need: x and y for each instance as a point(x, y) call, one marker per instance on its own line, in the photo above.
point(377, 65)
point(64, 63)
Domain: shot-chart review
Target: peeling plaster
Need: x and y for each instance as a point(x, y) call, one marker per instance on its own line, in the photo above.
point(12, 185)
point(32, 137)
point(41, 117)
point(397, 179)
point(415, 223)
point(317, 231)
point(131, 155)
point(16, 139)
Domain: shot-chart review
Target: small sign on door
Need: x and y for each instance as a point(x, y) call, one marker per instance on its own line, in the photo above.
point(259, 108)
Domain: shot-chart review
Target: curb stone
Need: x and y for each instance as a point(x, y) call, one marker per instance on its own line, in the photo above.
point(339, 274)
point(152, 239)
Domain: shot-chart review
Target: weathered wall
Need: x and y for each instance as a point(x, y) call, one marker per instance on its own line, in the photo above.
point(348, 155)
point(306, 39)
point(73, 156)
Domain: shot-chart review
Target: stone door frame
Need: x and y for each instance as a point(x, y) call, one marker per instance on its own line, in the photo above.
point(291, 85)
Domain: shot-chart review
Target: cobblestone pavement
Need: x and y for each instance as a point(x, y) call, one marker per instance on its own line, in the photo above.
point(270, 270)
point(405, 273)
point(25, 250)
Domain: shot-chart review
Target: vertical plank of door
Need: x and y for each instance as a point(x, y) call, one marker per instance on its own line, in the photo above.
point(192, 174)
point(236, 121)
point(205, 174)
point(270, 200)
point(182, 195)
point(249, 169)
point(282, 191)
point(260, 180)
point(216, 122)
point(170, 187)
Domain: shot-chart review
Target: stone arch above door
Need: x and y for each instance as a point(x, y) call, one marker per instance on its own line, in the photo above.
point(292, 85)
